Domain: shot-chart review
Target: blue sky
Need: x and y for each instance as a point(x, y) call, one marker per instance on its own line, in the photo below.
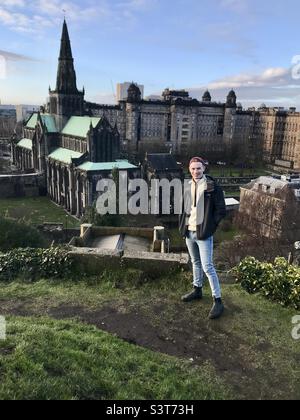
point(247, 45)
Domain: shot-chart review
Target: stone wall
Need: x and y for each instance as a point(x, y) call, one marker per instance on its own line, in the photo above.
point(93, 261)
point(270, 216)
point(13, 186)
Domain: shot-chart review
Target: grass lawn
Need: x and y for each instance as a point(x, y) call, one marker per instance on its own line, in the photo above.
point(36, 210)
point(217, 171)
point(121, 336)
point(176, 239)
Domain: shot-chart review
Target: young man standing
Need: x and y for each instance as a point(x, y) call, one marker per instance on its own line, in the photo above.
point(204, 208)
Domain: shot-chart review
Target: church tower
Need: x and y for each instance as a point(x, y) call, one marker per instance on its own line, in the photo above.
point(66, 100)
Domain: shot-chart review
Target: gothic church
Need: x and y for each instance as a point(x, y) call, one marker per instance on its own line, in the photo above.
point(70, 148)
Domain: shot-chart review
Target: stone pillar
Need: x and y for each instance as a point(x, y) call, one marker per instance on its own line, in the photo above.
point(72, 191)
point(48, 178)
point(23, 160)
point(59, 185)
point(84, 196)
point(55, 182)
point(159, 239)
point(84, 228)
point(78, 196)
point(89, 193)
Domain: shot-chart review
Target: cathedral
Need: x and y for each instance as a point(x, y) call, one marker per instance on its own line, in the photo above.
point(72, 149)
point(75, 143)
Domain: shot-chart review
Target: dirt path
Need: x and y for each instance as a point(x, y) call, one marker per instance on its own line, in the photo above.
point(202, 341)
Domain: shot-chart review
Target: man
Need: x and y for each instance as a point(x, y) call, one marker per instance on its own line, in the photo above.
point(204, 208)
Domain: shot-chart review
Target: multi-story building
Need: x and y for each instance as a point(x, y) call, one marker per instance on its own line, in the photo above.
point(270, 207)
point(186, 126)
point(122, 90)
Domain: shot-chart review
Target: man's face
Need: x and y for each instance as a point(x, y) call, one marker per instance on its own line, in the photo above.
point(197, 170)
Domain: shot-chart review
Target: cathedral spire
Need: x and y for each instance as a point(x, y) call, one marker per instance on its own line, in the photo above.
point(66, 100)
point(66, 76)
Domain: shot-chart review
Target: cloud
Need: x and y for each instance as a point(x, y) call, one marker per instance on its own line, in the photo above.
point(274, 86)
point(20, 22)
point(270, 76)
point(15, 57)
point(13, 3)
point(35, 16)
point(236, 6)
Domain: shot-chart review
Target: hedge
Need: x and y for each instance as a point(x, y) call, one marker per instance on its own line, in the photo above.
point(278, 281)
point(32, 264)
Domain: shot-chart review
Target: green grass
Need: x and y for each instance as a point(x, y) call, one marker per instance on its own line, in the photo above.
point(221, 236)
point(37, 210)
point(232, 193)
point(217, 171)
point(63, 360)
point(248, 354)
point(176, 239)
point(235, 172)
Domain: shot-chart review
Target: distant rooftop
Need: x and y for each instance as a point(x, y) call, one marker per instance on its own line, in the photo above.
point(276, 183)
point(106, 166)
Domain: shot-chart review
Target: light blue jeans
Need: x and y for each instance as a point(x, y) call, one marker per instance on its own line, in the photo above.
point(201, 253)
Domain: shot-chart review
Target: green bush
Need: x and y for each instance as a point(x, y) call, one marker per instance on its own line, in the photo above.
point(32, 264)
point(17, 234)
point(279, 281)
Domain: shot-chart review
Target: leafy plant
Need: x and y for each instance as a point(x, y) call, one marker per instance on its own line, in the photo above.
point(31, 264)
point(18, 234)
point(278, 281)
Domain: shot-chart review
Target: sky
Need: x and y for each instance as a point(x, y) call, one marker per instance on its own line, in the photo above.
point(252, 46)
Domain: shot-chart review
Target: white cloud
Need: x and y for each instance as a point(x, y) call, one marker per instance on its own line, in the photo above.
point(12, 3)
point(72, 10)
point(273, 86)
point(14, 57)
point(236, 6)
point(35, 16)
point(270, 76)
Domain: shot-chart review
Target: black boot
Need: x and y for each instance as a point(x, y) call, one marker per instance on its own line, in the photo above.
point(196, 294)
point(217, 309)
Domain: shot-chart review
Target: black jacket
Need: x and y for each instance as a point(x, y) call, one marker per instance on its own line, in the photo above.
point(214, 210)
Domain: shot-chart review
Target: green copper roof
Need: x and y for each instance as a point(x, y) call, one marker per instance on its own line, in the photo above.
point(79, 126)
point(64, 155)
point(47, 119)
point(106, 166)
point(49, 122)
point(25, 143)
point(31, 123)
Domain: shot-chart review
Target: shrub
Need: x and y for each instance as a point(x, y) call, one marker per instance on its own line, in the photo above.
point(17, 234)
point(278, 281)
point(32, 264)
